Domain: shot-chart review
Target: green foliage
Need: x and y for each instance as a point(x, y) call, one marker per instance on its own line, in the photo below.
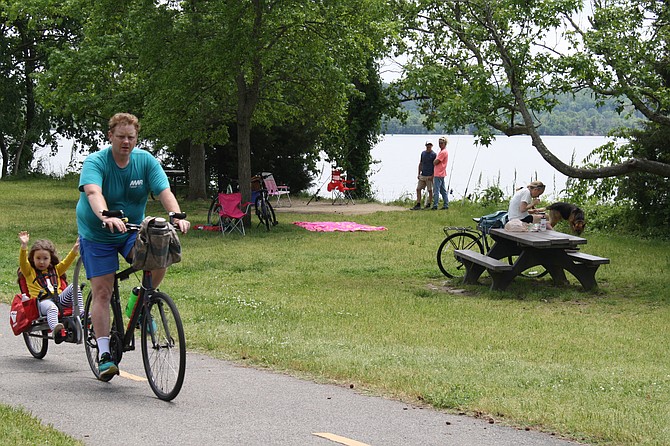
point(492, 195)
point(638, 202)
point(350, 148)
point(194, 70)
point(31, 31)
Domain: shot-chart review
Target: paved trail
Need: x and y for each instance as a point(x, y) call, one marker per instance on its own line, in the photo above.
point(224, 404)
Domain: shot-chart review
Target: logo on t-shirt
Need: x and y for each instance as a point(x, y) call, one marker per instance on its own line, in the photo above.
point(136, 183)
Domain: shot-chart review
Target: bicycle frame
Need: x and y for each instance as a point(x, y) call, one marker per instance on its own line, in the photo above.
point(127, 334)
point(481, 236)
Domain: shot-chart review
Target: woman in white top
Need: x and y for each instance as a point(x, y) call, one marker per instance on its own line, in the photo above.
point(522, 205)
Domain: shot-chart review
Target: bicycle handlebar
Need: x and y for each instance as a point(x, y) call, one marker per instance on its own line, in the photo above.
point(134, 227)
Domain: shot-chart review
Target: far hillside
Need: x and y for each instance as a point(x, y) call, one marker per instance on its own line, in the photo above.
point(574, 116)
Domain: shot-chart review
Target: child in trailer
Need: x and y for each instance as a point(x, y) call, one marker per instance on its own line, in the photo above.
point(42, 270)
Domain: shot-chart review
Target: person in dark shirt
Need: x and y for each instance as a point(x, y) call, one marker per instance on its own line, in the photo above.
point(425, 176)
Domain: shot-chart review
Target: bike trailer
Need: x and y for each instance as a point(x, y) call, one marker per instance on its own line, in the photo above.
point(24, 314)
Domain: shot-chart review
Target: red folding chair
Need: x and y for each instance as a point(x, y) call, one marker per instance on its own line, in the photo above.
point(341, 188)
point(232, 212)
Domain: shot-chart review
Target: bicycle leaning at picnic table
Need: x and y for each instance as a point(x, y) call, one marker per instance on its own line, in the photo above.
point(156, 316)
point(477, 240)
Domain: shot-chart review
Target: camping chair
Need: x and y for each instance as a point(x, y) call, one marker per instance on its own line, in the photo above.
point(231, 212)
point(274, 190)
point(341, 188)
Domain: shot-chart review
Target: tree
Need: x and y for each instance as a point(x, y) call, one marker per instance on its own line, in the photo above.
point(293, 60)
point(350, 148)
point(491, 64)
point(191, 69)
point(30, 31)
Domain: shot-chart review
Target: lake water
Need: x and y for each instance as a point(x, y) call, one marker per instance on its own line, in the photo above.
point(508, 163)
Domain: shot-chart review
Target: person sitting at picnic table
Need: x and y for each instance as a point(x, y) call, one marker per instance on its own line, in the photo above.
point(523, 204)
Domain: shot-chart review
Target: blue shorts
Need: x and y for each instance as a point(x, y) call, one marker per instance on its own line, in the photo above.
point(101, 259)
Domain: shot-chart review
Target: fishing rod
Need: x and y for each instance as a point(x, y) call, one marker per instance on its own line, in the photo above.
point(320, 186)
point(465, 195)
point(453, 158)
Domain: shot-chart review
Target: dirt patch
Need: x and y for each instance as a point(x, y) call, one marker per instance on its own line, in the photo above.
point(448, 289)
point(323, 206)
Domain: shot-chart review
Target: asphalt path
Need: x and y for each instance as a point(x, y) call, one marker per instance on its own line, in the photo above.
point(223, 403)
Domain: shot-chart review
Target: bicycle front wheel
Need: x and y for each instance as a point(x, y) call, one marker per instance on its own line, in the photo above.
point(448, 264)
point(163, 347)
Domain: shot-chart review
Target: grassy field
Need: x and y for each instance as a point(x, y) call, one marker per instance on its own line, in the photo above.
point(372, 309)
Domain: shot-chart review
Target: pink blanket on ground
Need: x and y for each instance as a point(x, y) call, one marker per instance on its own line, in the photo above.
point(332, 226)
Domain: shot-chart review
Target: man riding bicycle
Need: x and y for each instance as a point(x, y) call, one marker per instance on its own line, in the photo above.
point(119, 177)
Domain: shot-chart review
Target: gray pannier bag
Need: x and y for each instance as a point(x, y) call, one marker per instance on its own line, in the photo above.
point(157, 245)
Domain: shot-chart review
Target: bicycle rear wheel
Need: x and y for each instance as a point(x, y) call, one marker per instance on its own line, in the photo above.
point(37, 342)
point(213, 216)
point(448, 264)
point(163, 347)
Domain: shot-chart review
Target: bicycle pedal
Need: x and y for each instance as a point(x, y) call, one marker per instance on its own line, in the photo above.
point(60, 336)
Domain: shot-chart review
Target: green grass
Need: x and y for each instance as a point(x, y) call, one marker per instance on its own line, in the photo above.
point(17, 428)
point(370, 309)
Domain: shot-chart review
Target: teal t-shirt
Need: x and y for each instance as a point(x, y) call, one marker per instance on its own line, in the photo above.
point(124, 189)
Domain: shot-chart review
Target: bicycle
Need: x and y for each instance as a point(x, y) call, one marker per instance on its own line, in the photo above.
point(264, 211)
point(163, 341)
point(477, 240)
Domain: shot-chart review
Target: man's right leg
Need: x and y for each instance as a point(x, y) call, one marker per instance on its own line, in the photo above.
point(101, 287)
point(418, 198)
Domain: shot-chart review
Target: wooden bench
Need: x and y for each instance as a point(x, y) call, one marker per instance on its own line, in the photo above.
point(587, 259)
point(476, 262)
point(467, 255)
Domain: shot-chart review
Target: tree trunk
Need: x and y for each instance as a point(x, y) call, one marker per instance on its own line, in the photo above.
point(247, 98)
point(197, 176)
point(28, 53)
point(5, 156)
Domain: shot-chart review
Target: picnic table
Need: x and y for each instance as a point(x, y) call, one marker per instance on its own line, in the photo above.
point(175, 177)
point(555, 251)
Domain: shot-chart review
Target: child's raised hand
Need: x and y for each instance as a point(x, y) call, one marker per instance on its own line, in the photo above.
point(75, 248)
point(24, 238)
